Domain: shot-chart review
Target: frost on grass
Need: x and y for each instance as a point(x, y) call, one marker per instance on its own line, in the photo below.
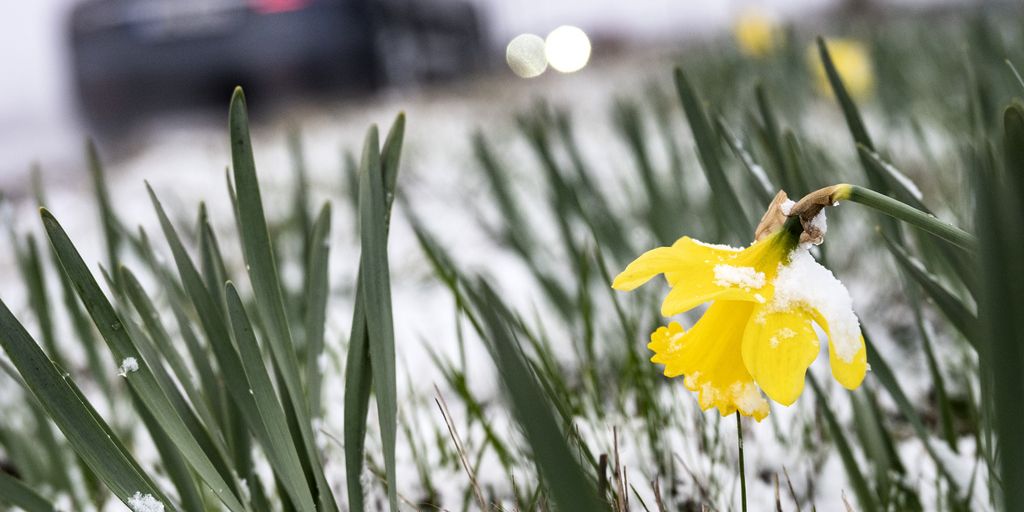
point(747, 278)
point(145, 502)
point(804, 282)
point(129, 365)
point(903, 179)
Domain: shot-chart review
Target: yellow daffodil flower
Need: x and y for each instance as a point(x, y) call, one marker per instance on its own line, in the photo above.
point(758, 334)
point(853, 63)
point(757, 34)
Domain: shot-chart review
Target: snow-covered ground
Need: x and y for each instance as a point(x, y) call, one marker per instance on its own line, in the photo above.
point(185, 164)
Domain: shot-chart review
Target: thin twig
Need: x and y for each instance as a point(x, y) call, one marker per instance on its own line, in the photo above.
point(778, 497)
point(657, 496)
point(792, 491)
point(620, 487)
point(443, 406)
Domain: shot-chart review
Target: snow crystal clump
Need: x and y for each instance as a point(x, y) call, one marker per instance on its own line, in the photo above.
point(747, 278)
point(804, 282)
point(747, 398)
point(783, 334)
point(129, 365)
point(787, 207)
point(145, 503)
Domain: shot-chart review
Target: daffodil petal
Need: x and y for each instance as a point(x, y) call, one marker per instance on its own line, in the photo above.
point(684, 298)
point(649, 264)
point(778, 346)
point(665, 341)
point(700, 254)
point(709, 356)
point(684, 257)
point(849, 373)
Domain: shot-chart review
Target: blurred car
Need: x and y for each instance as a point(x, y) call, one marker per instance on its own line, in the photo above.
point(132, 57)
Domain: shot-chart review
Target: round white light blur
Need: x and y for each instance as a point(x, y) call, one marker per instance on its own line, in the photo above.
point(567, 49)
point(525, 55)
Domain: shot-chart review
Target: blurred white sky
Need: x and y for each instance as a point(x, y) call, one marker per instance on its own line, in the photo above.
point(37, 120)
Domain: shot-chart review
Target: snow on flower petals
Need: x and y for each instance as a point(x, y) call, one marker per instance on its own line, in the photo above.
point(145, 503)
point(717, 246)
point(748, 399)
point(805, 282)
point(757, 336)
point(129, 365)
point(747, 278)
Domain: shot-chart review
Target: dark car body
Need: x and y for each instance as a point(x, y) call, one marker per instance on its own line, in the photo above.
point(132, 57)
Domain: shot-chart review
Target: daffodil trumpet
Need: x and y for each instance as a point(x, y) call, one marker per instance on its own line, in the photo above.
point(758, 335)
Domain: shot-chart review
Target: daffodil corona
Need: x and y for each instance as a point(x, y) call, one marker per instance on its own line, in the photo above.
point(758, 333)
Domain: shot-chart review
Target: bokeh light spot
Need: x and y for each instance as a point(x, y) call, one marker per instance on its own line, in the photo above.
point(525, 55)
point(567, 49)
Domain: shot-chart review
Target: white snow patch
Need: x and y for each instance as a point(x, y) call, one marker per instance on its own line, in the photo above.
point(787, 207)
point(129, 365)
point(145, 503)
point(747, 398)
point(747, 278)
point(717, 246)
point(960, 468)
point(804, 282)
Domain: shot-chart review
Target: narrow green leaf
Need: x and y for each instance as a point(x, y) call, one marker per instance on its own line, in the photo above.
point(861, 489)
point(266, 284)
point(358, 366)
point(376, 295)
point(895, 181)
point(300, 201)
point(15, 493)
point(358, 386)
point(173, 463)
point(998, 221)
point(317, 288)
point(35, 281)
point(710, 152)
point(281, 451)
point(760, 183)
point(846, 103)
point(162, 340)
point(228, 360)
point(88, 435)
point(113, 331)
point(567, 484)
point(952, 307)
point(111, 225)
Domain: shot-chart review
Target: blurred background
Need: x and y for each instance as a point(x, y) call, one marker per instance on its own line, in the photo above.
point(118, 69)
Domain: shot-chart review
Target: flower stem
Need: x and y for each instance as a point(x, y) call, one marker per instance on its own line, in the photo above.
point(743, 473)
point(909, 214)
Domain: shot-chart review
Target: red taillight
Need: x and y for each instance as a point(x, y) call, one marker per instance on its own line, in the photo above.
point(277, 6)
